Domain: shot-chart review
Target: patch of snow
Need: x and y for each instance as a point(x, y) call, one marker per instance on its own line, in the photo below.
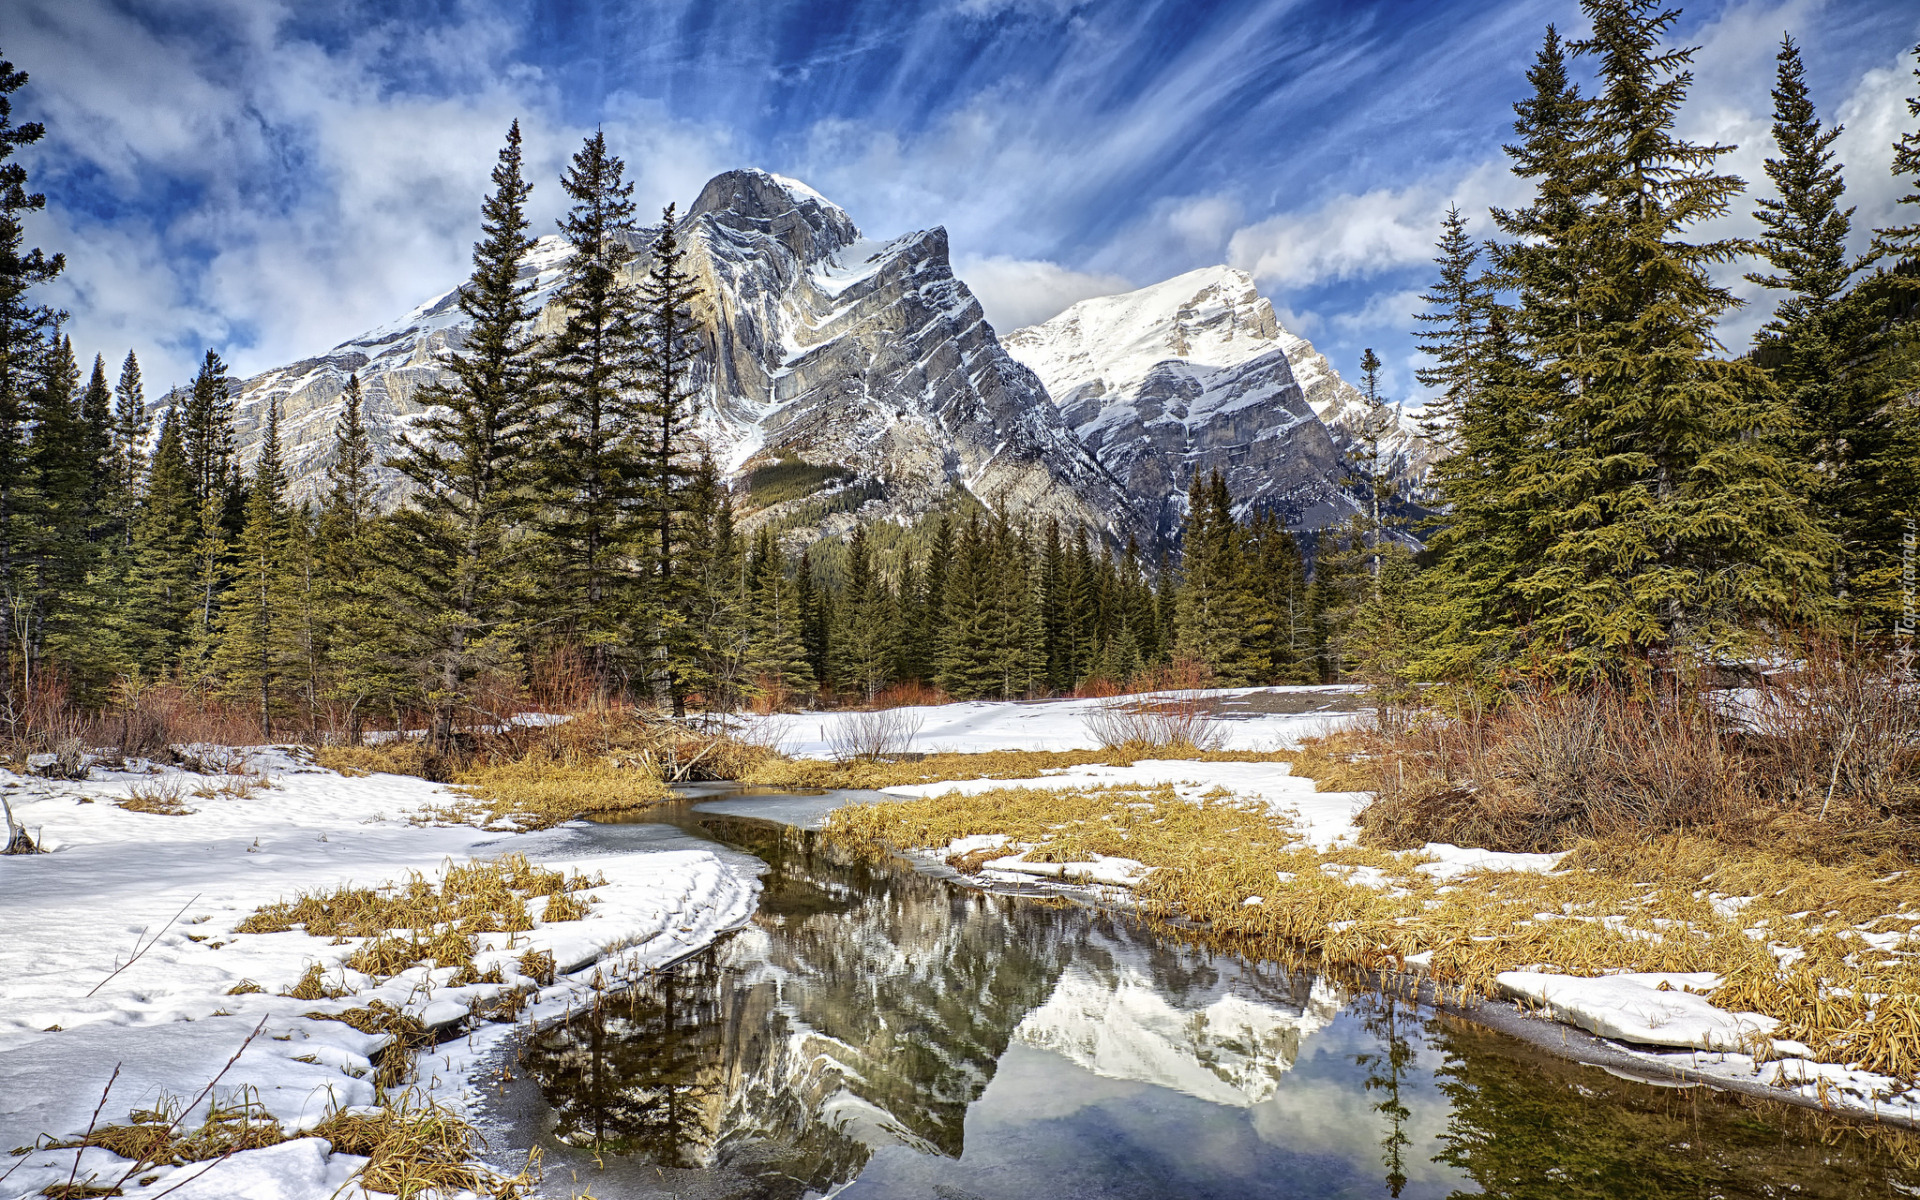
point(1632, 1008)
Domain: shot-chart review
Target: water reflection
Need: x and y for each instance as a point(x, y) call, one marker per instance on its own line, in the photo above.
point(888, 1034)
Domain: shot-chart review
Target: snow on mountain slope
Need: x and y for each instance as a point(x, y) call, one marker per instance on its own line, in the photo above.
point(866, 356)
point(1190, 375)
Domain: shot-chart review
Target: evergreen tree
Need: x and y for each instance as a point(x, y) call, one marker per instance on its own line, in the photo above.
point(55, 604)
point(456, 551)
point(130, 426)
point(1669, 519)
point(1220, 619)
point(259, 624)
point(815, 620)
point(96, 421)
point(161, 591)
point(25, 327)
point(670, 346)
point(865, 640)
point(594, 466)
point(1805, 243)
point(1453, 329)
point(779, 652)
point(1374, 427)
point(1899, 242)
point(349, 635)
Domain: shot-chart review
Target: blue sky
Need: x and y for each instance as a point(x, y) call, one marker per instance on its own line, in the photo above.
point(269, 179)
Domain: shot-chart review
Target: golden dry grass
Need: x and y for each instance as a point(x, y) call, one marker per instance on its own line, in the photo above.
point(161, 798)
point(1615, 905)
point(991, 764)
point(413, 1149)
point(417, 921)
point(540, 791)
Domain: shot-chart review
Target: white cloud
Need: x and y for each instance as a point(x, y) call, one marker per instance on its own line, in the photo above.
point(1017, 292)
point(326, 199)
point(1355, 237)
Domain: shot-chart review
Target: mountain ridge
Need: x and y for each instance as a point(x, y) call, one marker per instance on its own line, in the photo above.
point(872, 357)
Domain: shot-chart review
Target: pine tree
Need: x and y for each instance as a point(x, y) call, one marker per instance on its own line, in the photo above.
point(456, 552)
point(1669, 519)
point(1220, 618)
point(866, 638)
point(160, 590)
point(1373, 428)
point(55, 604)
point(594, 464)
point(25, 327)
point(780, 663)
point(671, 343)
point(1453, 328)
point(258, 613)
point(1898, 242)
point(130, 426)
point(352, 641)
point(1805, 243)
point(96, 421)
point(206, 431)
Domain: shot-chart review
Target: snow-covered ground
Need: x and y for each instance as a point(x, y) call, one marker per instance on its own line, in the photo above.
point(979, 725)
point(117, 880)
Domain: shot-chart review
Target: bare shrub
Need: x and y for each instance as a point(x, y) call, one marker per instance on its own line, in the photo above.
point(1837, 740)
point(163, 797)
point(1848, 722)
point(1176, 720)
point(872, 734)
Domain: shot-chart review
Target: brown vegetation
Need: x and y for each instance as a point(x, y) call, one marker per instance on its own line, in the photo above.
point(1824, 759)
point(989, 764)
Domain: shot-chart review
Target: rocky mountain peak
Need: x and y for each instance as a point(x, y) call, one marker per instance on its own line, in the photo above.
point(750, 200)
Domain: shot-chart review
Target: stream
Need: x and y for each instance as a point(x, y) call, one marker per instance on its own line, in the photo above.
point(878, 1031)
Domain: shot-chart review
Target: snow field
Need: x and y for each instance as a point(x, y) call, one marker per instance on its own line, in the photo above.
point(117, 879)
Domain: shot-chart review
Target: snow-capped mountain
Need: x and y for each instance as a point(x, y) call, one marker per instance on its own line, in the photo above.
point(1187, 375)
point(866, 370)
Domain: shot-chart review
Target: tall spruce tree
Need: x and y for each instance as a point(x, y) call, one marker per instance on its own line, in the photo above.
point(456, 552)
point(1830, 419)
point(1901, 242)
point(1670, 520)
point(258, 613)
point(130, 427)
point(866, 639)
point(594, 467)
point(161, 591)
point(1452, 329)
point(55, 602)
point(354, 640)
point(25, 328)
point(671, 345)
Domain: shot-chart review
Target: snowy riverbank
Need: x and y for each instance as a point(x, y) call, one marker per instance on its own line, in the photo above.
point(72, 1011)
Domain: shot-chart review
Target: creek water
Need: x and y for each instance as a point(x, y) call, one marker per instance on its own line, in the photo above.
point(880, 1032)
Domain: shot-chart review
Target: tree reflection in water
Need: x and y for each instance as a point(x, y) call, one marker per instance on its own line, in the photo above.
point(1525, 1126)
point(867, 1008)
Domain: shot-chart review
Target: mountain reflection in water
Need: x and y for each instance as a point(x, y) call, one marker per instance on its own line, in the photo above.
point(890, 1034)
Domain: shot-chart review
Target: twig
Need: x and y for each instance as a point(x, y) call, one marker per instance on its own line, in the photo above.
point(1837, 760)
point(71, 1175)
point(141, 1163)
point(139, 949)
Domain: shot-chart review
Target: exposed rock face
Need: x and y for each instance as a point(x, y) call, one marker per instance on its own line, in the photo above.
point(864, 355)
point(870, 359)
point(1191, 375)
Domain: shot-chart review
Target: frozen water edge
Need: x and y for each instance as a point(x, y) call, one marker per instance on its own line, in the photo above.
point(72, 917)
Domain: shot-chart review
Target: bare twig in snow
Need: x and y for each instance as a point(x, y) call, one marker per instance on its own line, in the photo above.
point(140, 950)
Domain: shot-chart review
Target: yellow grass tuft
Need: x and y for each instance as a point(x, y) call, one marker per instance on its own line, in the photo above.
point(541, 791)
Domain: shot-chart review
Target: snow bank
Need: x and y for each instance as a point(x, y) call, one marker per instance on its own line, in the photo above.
point(119, 879)
point(1634, 1008)
point(978, 725)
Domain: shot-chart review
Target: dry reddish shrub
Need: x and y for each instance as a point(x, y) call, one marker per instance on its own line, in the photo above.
point(1821, 760)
